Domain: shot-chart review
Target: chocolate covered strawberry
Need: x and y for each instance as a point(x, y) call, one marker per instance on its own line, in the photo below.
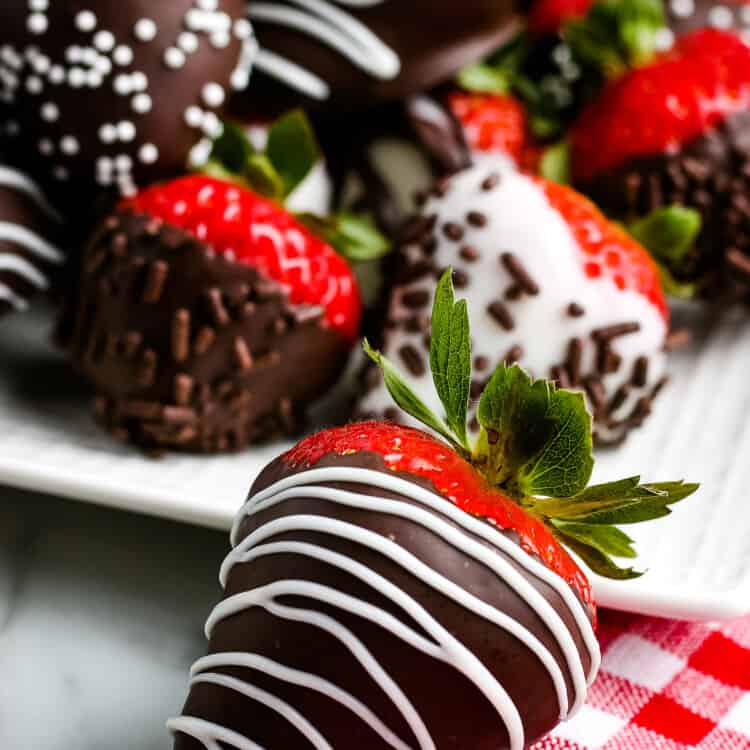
point(675, 133)
point(387, 589)
point(551, 284)
point(200, 305)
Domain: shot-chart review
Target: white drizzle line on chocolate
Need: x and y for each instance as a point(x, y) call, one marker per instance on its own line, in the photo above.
point(441, 644)
point(211, 734)
point(25, 238)
point(333, 27)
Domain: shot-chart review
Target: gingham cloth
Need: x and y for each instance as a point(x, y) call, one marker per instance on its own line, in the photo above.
point(664, 685)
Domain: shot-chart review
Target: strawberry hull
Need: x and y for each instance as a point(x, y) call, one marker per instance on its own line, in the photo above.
point(190, 351)
point(357, 533)
point(710, 173)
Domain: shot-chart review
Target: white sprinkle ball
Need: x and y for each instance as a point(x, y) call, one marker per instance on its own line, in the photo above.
point(194, 116)
point(56, 74)
point(34, 85)
point(38, 5)
point(139, 81)
point(77, 77)
point(188, 42)
point(94, 79)
point(126, 130)
point(174, 58)
point(239, 79)
point(73, 53)
point(141, 104)
point(213, 94)
point(104, 165)
point(103, 65)
point(122, 85)
point(123, 55)
point(89, 56)
point(46, 146)
point(148, 153)
point(144, 30)
point(243, 28)
point(682, 8)
point(69, 145)
point(41, 64)
point(207, 4)
point(60, 173)
point(108, 133)
point(211, 125)
point(37, 23)
point(123, 163)
point(104, 40)
point(721, 17)
point(49, 111)
point(220, 40)
point(85, 20)
point(664, 39)
point(12, 127)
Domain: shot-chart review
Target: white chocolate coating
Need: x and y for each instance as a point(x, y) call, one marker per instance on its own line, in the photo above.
point(521, 220)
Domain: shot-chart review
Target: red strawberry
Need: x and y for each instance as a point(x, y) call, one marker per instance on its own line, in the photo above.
point(658, 109)
point(208, 318)
point(607, 249)
point(674, 133)
point(548, 16)
point(495, 124)
point(413, 593)
point(243, 226)
point(552, 284)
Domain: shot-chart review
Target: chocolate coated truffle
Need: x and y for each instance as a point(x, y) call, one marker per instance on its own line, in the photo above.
point(120, 93)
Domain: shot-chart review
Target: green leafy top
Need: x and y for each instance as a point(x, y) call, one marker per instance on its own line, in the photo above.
point(291, 152)
point(612, 37)
point(534, 443)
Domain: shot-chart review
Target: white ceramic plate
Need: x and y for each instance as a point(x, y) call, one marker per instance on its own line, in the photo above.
point(698, 559)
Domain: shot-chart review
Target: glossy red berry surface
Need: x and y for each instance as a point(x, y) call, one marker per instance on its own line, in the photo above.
point(406, 449)
point(248, 228)
point(548, 16)
point(607, 250)
point(684, 93)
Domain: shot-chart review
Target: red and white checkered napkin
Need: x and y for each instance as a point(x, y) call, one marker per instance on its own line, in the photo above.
point(664, 685)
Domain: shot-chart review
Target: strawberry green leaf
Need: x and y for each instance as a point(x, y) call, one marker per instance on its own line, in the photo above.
point(598, 561)
point(354, 237)
point(669, 233)
point(292, 148)
point(674, 288)
point(622, 502)
point(450, 355)
point(262, 177)
point(232, 149)
point(555, 163)
point(538, 437)
point(615, 34)
point(607, 539)
point(402, 393)
point(484, 78)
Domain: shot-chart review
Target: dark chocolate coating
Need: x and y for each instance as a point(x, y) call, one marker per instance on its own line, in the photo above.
point(75, 82)
point(433, 39)
point(455, 712)
point(710, 174)
point(190, 351)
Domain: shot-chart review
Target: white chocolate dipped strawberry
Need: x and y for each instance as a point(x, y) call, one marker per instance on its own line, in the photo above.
point(551, 284)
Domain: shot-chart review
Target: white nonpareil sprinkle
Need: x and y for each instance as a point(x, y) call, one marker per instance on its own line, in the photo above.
point(37, 23)
point(85, 20)
point(213, 94)
point(49, 111)
point(144, 30)
point(123, 55)
point(148, 153)
point(194, 116)
point(69, 145)
point(141, 104)
point(721, 17)
point(104, 41)
point(188, 42)
point(126, 130)
point(108, 133)
point(174, 58)
point(46, 146)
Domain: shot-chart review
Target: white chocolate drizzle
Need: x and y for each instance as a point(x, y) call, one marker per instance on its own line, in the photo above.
point(439, 516)
point(334, 28)
point(27, 239)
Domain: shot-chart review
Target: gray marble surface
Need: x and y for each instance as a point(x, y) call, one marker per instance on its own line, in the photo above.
point(101, 615)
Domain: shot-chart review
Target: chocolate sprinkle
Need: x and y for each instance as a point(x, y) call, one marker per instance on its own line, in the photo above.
point(575, 310)
point(516, 269)
point(490, 182)
point(469, 253)
point(415, 298)
point(476, 219)
point(453, 231)
point(501, 314)
point(614, 331)
point(412, 359)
